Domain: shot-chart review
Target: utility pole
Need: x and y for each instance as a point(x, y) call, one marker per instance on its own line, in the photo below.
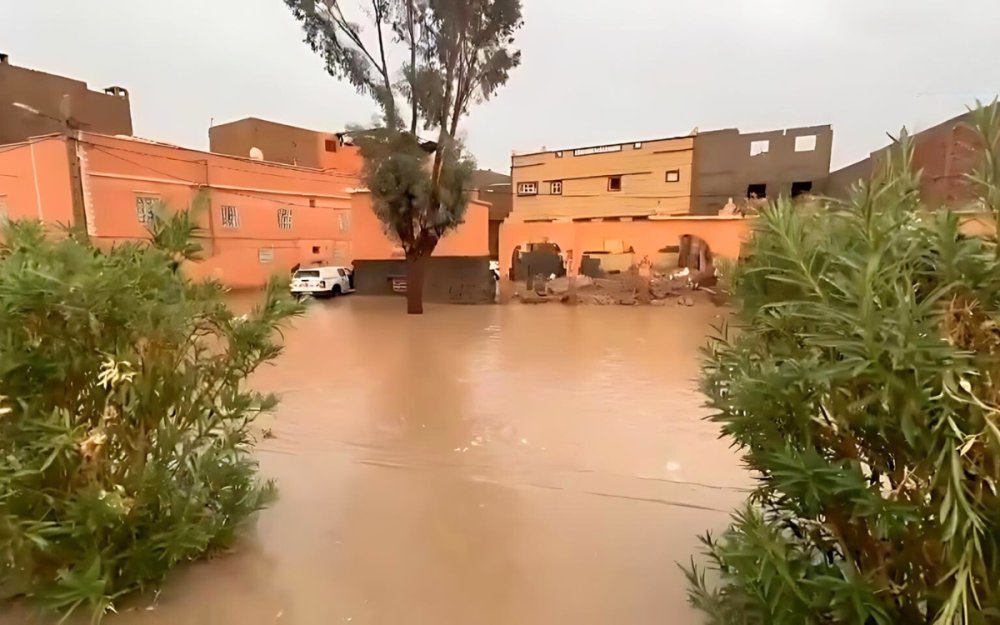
point(71, 135)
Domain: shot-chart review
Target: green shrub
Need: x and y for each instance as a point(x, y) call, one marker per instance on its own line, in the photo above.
point(125, 429)
point(862, 388)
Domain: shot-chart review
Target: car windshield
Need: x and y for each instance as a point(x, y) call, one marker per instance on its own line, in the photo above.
point(307, 273)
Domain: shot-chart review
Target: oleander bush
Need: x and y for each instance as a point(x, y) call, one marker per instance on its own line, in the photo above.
point(861, 383)
point(125, 421)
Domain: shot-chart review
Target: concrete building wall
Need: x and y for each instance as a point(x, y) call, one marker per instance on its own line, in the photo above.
point(89, 110)
point(839, 182)
point(585, 176)
point(501, 200)
point(727, 162)
point(451, 279)
point(281, 143)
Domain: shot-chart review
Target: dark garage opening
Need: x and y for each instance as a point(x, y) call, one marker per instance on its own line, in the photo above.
point(758, 191)
point(801, 188)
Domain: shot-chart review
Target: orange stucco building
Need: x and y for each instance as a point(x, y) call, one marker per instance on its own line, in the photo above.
point(258, 218)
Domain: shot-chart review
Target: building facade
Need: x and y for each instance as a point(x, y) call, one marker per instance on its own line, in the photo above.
point(56, 98)
point(729, 164)
point(256, 218)
point(634, 179)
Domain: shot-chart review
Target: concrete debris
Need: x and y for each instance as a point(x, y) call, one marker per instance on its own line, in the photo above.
point(602, 300)
point(531, 297)
point(558, 286)
point(626, 289)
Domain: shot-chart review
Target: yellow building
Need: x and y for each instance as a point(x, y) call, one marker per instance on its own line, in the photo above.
point(639, 179)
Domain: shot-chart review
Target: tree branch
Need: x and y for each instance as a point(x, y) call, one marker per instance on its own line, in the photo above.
point(411, 19)
point(390, 104)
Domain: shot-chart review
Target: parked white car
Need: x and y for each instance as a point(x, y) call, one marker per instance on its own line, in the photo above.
point(322, 281)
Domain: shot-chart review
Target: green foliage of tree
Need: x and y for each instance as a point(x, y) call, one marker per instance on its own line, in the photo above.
point(440, 57)
point(125, 425)
point(863, 389)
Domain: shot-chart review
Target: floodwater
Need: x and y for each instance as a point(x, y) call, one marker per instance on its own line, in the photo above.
point(477, 465)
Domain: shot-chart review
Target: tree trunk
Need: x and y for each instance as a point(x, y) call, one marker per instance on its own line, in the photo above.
point(415, 285)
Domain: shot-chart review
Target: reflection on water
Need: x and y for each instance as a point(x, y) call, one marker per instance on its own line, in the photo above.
point(486, 465)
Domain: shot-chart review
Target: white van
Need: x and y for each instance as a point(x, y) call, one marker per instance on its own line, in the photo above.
point(322, 281)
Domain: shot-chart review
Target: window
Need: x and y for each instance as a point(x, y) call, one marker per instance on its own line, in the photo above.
point(331, 145)
point(266, 255)
point(674, 175)
point(345, 222)
point(757, 191)
point(341, 272)
point(615, 183)
point(555, 187)
point(637, 145)
point(315, 249)
point(559, 154)
point(230, 217)
point(759, 147)
point(145, 208)
point(312, 202)
point(285, 218)
point(805, 143)
point(527, 188)
point(801, 188)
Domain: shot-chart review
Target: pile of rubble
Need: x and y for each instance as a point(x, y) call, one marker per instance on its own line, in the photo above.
point(626, 289)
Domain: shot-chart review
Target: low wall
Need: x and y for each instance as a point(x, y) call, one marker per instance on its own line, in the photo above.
point(449, 279)
point(724, 235)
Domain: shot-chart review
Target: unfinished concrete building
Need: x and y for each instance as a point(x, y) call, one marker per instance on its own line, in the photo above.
point(731, 164)
point(56, 100)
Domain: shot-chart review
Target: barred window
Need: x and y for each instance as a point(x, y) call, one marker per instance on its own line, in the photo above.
point(285, 218)
point(230, 217)
point(144, 208)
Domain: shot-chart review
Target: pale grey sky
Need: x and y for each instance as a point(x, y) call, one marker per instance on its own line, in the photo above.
point(593, 72)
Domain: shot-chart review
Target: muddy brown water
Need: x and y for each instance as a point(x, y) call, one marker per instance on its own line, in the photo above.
point(477, 465)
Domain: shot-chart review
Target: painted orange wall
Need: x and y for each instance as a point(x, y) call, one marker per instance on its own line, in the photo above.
point(724, 235)
point(371, 243)
point(34, 180)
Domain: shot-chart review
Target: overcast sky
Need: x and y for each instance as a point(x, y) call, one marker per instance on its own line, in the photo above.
point(593, 72)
